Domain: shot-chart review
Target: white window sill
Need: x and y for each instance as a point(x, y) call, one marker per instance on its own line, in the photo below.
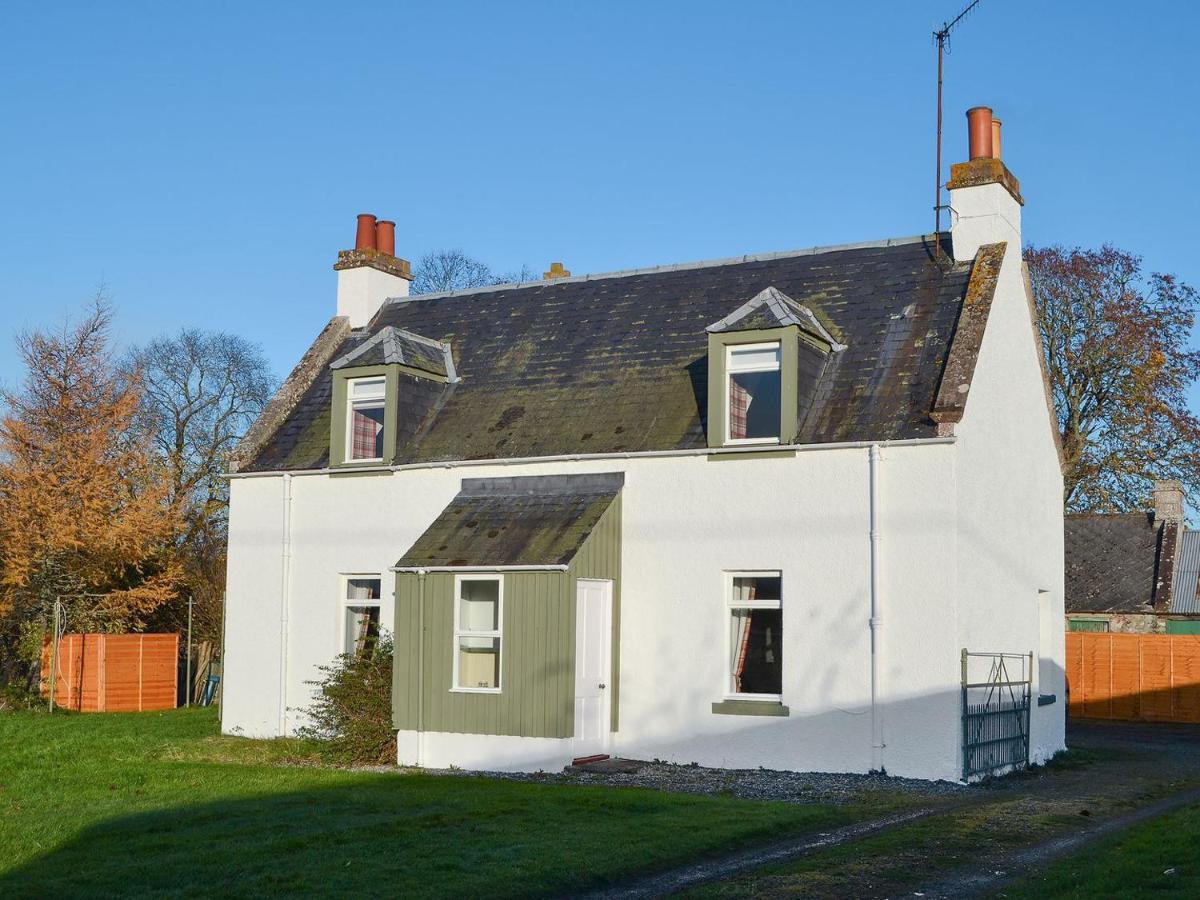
point(463, 690)
point(750, 442)
point(755, 698)
point(363, 462)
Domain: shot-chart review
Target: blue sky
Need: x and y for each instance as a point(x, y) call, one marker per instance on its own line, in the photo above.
point(205, 161)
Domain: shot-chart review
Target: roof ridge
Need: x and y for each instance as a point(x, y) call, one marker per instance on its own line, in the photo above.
point(672, 267)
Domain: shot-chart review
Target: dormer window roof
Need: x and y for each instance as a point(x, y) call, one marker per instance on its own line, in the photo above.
point(395, 346)
point(772, 308)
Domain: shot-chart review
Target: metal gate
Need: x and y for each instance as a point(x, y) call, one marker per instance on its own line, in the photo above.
point(996, 692)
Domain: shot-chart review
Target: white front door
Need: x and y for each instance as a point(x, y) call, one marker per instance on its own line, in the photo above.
point(593, 666)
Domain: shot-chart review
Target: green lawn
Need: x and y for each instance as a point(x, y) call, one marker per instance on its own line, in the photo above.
point(1156, 859)
point(159, 803)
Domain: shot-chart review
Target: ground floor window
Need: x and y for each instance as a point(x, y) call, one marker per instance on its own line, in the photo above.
point(477, 632)
point(361, 596)
point(755, 634)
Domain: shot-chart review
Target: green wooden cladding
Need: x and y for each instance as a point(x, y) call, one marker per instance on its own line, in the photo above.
point(537, 651)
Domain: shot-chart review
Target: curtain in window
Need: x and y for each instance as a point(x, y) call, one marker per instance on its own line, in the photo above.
point(739, 406)
point(366, 432)
point(741, 645)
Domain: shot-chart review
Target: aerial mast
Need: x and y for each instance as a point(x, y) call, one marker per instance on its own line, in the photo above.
point(942, 36)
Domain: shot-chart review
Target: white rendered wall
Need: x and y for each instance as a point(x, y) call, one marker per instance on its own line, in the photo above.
point(686, 520)
point(363, 289)
point(1010, 539)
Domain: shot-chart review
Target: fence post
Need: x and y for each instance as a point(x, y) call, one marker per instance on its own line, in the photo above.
point(187, 685)
point(54, 653)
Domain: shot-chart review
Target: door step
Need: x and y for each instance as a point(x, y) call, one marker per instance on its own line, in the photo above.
point(588, 760)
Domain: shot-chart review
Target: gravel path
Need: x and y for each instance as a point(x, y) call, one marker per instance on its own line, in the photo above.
point(748, 784)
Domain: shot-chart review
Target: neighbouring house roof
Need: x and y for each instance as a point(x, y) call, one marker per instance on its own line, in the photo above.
point(1112, 562)
point(618, 363)
point(532, 520)
point(1184, 600)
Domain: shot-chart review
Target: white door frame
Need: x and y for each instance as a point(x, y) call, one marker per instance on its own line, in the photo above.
point(606, 702)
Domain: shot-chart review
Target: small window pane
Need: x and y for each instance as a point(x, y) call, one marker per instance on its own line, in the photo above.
point(366, 434)
point(756, 651)
point(754, 405)
point(753, 588)
point(362, 588)
point(757, 357)
point(362, 629)
point(367, 389)
point(478, 662)
point(479, 606)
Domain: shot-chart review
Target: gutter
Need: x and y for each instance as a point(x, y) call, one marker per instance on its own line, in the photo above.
point(583, 457)
point(285, 589)
point(876, 620)
point(422, 570)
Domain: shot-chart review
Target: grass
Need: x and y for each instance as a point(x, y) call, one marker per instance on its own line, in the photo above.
point(1155, 859)
point(159, 803)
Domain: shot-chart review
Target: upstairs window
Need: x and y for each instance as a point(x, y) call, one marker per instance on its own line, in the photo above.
point(477, 618)
point(753, 386)
point(364, 422)
point(755, 636)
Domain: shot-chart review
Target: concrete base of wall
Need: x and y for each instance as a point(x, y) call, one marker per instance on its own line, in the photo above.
point(482, 752)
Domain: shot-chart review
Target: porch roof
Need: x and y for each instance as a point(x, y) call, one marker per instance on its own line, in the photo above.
point(537, 520)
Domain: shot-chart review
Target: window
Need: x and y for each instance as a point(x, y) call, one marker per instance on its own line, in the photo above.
point(360, 629)
point(753, 404)
point(477, 619)
point(755, 635)
point(364, 421)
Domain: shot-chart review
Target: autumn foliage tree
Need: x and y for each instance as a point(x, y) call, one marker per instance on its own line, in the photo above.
point(84, 501)
point(1115, 340)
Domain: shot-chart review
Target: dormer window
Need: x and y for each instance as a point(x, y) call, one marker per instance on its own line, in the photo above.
point(364, 424)
point(753, 394)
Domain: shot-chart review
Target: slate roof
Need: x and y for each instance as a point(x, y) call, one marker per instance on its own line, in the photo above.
point(618, 363)
point(771, 308)
point(1111, 562)
point(1184, 600)
point(532, 520)
point(395, 345)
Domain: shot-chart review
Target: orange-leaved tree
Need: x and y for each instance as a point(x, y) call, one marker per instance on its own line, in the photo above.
point(1120, 362)
point(84, 502)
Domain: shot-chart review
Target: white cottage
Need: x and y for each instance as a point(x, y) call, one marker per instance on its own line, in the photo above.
point(784, 510)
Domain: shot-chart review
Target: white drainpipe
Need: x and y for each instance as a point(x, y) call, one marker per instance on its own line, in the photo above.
point(285, 590)
point(876, 615)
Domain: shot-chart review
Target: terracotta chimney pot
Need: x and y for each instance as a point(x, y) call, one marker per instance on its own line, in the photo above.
point(995, 138)
point(365, 238)
point(557, 270)
point(385, 237)
point(979, 131)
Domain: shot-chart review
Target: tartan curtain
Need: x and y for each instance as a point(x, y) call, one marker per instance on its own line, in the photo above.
point(739, 405)
point(365, 435)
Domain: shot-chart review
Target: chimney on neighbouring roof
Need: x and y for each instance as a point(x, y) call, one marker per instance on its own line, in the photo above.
point(371, 272)
point(556, 271)
point(1168, 502)
point(985, 197)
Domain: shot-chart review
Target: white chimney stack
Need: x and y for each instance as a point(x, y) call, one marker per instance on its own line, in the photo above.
point(371, 272)
point(985, 197)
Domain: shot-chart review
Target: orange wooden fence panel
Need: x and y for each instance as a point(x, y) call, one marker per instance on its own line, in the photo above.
point(114, 672)
point(1155, 677)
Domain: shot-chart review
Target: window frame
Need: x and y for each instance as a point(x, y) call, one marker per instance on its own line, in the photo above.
point(341, 418)
point(458, 632)
point(351, 402)
point(730, 371)
point(729, 606)
point(344, 580)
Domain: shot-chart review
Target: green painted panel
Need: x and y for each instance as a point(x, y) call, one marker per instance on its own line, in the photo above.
point(1087, 624)
point(600, 557)
point(788, 338)
point(1183, 626)
point(537, 653)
